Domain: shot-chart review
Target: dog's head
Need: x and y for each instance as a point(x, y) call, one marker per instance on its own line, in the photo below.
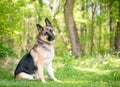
point(46, 33)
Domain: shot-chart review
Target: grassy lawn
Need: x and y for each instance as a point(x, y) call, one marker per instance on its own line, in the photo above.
point(85, 72)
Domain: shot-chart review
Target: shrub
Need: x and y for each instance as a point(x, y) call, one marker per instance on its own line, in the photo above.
point(5, 51)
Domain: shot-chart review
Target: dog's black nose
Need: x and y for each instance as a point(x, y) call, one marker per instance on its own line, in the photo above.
point(50, 38)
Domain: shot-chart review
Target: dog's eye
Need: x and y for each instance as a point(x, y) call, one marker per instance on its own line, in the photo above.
point(51, 30)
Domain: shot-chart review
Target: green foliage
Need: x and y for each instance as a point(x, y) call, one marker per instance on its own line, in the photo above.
point(19, 17)
point(5, 51)
point(18, 20)
point(83, 18)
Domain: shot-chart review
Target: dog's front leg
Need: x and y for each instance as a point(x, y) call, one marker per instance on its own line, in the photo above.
point(51, 73)
point(41, 71)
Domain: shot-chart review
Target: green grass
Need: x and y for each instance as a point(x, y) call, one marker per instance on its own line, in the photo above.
point(91, 71)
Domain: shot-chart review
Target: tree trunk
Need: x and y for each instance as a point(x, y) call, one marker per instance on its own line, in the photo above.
point(92, 28)
point(100, 31)
point(54, 7)
point(70, 24)
point(117, 37)
point(60, 33)
point(117, 34)
point(111, 25)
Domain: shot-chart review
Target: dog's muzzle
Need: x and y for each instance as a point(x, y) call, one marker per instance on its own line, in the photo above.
point(51, 38)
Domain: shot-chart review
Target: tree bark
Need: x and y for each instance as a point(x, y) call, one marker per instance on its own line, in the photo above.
point(70, 24)
point(54, 4)
point(117, 37)
point(111, 25)
point(100, 31)
point(117, 34)
point(60, 33)
point(92, 28)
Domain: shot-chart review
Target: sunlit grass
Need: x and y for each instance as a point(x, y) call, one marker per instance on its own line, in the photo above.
point(84, 72)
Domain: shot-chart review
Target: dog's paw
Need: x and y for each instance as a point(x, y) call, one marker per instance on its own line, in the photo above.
point(58, 81)
point(43, 81)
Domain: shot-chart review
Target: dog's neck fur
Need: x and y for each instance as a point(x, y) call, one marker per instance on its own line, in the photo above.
point(45, 44)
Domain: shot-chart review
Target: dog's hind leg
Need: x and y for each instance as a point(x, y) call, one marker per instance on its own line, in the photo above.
point(23, 75)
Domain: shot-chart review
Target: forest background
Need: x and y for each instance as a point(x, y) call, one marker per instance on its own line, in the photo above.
point(86, 30)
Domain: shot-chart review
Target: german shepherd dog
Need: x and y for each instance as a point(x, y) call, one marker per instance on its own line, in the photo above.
point(32, 65)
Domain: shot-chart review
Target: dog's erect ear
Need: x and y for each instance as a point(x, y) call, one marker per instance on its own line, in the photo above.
point(47, 22)
point(39, 28)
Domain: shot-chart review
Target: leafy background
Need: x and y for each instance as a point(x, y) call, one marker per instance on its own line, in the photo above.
point(97, 68)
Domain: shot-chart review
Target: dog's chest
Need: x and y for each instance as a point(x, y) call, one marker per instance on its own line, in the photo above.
point(49, 56)
point(44, 52)
point(49, 50)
